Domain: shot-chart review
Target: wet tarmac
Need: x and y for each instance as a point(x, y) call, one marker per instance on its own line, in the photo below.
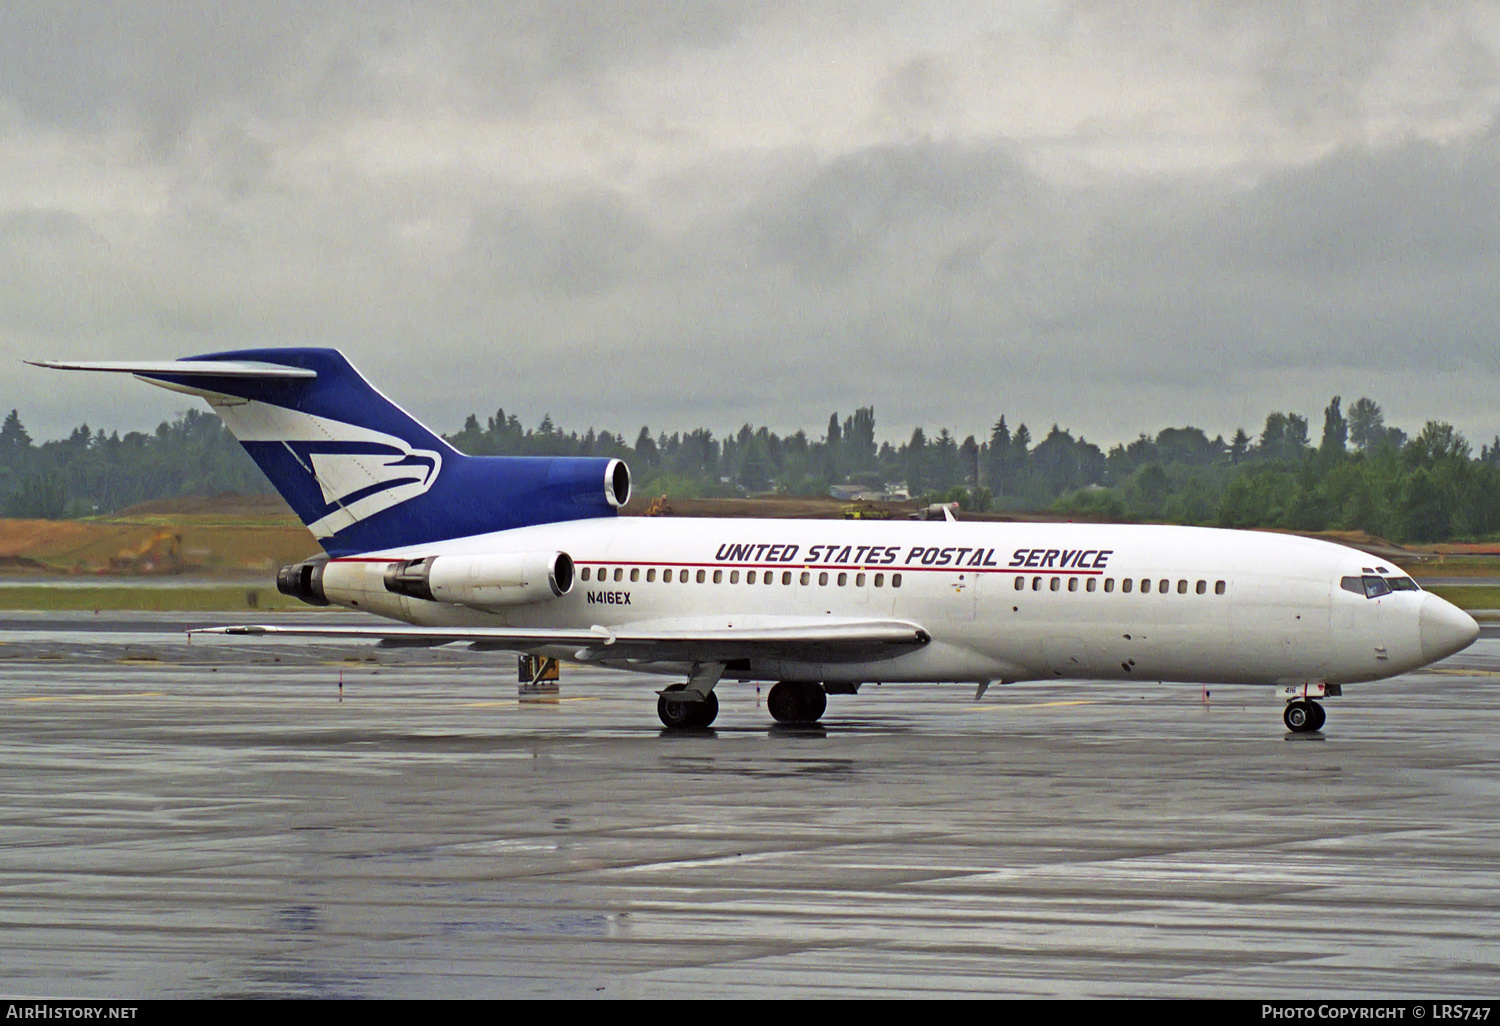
point(216, 819)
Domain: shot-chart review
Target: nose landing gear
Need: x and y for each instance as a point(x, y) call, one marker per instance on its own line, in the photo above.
point(1303, 716)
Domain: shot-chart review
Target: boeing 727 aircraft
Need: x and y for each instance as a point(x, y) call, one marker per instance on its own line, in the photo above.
point(528, 555)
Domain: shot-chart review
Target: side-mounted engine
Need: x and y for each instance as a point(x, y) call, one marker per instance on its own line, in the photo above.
point(484, 582)
point(488, 581)
point(304, 581)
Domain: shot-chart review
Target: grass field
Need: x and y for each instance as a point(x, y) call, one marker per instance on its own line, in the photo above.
point(1470, 598)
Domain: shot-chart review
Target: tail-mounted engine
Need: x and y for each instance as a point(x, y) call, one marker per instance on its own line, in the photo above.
point(304, 581)
point(502, 579)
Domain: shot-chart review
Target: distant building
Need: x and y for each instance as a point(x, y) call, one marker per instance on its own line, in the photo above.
point(864, 493)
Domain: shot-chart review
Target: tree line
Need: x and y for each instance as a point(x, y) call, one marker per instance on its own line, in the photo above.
point(1361, 475)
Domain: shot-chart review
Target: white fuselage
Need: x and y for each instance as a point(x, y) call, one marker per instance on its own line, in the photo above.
point(1001, 601)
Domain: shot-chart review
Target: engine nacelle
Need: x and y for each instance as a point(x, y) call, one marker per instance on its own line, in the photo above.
point(498, 579)
point(304, 581)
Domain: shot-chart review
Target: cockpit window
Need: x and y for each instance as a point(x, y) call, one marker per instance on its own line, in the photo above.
point(1371, 586)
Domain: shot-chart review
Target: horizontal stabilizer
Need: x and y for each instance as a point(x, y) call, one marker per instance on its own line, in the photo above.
point(184, 368)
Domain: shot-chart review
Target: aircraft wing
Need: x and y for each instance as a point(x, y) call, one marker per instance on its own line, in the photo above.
point(824, 638)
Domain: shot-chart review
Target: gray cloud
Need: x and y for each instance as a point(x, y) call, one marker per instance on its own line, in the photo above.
point(684, 214)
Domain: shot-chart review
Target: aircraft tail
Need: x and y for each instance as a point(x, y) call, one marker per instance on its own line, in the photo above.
point(360, 471)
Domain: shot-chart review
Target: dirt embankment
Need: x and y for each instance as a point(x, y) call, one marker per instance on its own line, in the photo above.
point(219, 534)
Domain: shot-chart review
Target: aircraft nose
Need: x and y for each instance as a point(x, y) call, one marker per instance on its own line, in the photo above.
point(1445, 628)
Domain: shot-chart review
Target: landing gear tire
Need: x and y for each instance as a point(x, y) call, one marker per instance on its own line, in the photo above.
point(797, 701)
point(1304, 717)
point(680, 715)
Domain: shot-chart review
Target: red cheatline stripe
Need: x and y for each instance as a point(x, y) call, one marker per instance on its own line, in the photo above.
point(856, 568)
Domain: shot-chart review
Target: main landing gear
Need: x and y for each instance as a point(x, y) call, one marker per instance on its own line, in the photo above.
point(797, 701)
point(1303, 716)
point(790, 701)
point(691, 706)
point(686, 713)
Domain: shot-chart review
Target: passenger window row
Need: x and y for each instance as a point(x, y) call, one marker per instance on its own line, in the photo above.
point(751, 577)
point(1127, 584)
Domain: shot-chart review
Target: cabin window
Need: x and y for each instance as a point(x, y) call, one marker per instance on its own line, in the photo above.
point(880, 580)
point(1093, 583)
point(702, 576)
point(804, 577)
point(1072, 584)
point(718, 577)
point(1202, 587)
point(1182, 587)
point(786, 577)
point(1109, 584)
point(650, 575)
point(750, 577)
point(1020, 584)
point(768, 577)
point(1036, 584)
point(1126, 585)
point(635, 574)
point(666, 576)
point(823, 579)
point(895, 580)
point(1218, 587)
point(1056, 583)
point(1375, 587)
point(859, 580)
point(843, 580)
point(583, 575)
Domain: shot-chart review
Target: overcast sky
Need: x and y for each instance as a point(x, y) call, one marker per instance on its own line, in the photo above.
point(1117, 217)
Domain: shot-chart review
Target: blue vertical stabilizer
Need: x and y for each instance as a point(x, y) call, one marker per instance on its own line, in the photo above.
point(360, 471)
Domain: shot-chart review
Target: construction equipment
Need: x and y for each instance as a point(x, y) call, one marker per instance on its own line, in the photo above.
point(160, 554)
